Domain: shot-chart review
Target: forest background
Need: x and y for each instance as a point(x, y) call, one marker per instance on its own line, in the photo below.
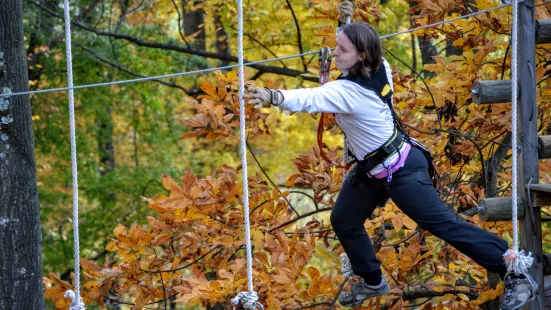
point(161, 218)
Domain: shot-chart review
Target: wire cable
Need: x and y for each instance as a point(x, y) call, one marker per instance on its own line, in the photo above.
point(49, 90)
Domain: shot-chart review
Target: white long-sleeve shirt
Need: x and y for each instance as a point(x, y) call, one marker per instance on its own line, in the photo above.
point(361, 114)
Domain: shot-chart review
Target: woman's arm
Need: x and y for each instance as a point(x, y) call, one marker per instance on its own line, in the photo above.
point(331, 97)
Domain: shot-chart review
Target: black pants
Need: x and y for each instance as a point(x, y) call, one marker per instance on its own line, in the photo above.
point(412, 191)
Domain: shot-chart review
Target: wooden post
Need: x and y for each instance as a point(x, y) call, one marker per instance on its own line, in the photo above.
point(493, 91)
point(530, 235)
point(498, 209)
point(542, 192)
point(543, 31)
point(544, 151)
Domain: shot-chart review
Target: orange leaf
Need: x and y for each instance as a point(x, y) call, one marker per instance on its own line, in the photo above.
point(209, 89)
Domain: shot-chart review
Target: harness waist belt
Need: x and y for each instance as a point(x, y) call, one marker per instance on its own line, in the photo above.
point(391, 147)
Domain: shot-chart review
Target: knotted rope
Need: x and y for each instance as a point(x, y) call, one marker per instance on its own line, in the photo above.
point(517, 262)
point(77, 303)
point(346, 266)
point(248, 299)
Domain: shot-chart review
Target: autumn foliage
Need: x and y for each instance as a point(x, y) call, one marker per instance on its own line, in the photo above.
point(192, 250)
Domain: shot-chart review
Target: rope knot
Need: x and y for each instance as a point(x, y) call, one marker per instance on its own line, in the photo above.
point(249, 300)
point(518, 262)
point(346, 268)
point(76, 303)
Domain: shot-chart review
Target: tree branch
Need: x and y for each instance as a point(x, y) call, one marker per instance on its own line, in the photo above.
point(493, 165)
point(426, 293)
point(296, 219)
point(176, 48)
point(98, 57)
point(299, 36)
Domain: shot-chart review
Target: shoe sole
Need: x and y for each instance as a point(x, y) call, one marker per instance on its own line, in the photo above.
point(359, 302)
point(529, 299)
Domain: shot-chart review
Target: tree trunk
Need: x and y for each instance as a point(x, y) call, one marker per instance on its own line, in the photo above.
point(494, 165)
point(194, 22)
point(428, 50)
point(105, 141)
point(20, 239)
point(222, 45)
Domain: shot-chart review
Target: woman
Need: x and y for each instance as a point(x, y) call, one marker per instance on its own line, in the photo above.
point(390, 165)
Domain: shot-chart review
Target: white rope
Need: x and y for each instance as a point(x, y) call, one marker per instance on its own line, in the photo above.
point(517, 262)
point(514, 78)
point(249, 63)
point(77, 303)
point(346, 266)
point(248, 299)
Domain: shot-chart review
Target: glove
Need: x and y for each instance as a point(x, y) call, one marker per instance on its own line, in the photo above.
point(261, 96)
point(346, 8)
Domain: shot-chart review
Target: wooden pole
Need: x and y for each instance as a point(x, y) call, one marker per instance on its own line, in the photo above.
point(544, 147)
point(530, 226)
point(543, 31)
point(492, 91)
point(498, 209)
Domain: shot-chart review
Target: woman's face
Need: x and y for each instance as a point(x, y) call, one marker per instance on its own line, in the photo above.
point(346, 54)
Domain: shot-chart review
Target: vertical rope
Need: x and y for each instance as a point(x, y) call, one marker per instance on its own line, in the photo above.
point(514, 114)
point(248, 299)
point(516, 261)
point(242, 127)
point(77, 303)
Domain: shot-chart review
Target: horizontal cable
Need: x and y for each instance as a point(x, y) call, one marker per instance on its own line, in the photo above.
point(49, 90)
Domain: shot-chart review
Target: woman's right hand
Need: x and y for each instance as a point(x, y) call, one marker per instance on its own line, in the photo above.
point(262, 96)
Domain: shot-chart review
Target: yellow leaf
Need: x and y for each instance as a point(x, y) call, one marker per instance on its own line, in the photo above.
point(120, 230)
point(208, 88)
point(170, 184)
point(224, 274)
point(291, 180)
point(160, 239)
point(281, 279)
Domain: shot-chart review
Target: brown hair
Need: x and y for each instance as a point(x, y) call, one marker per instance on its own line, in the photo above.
point(366, 40)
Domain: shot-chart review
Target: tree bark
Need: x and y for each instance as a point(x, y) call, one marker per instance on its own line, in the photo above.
point(222, 45)
point(194, 22)
point(427, 49)
point(20, 238)
point(494, 166)
point(105, 141)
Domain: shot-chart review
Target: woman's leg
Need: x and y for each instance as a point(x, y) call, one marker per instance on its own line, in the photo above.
point(413, 193)
point(356, 201)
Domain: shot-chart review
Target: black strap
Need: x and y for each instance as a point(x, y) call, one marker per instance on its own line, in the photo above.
point(391, 147)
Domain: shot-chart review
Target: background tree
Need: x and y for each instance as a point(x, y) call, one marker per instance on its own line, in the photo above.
point(184, 244)
point(20, 240)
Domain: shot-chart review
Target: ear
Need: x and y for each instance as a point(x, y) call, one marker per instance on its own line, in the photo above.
point(362, 56)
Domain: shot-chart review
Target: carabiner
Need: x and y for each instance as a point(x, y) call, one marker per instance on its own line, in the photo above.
point(324, 64)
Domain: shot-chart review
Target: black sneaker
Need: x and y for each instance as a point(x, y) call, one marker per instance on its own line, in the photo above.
point(361, 291)
point(518, 291)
